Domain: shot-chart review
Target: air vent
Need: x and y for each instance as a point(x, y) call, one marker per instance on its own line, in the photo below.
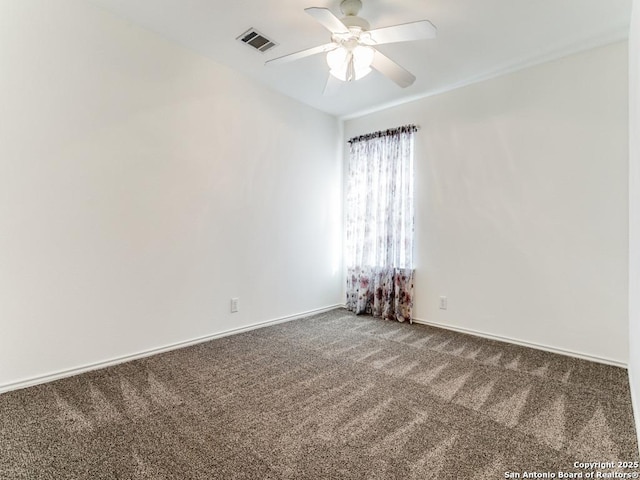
point(255, 39)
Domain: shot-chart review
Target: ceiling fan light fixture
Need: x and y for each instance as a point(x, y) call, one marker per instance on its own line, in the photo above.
point(337, 58)
point(349, 65)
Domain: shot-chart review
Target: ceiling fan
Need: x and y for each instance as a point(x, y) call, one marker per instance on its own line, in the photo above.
point(351, 54)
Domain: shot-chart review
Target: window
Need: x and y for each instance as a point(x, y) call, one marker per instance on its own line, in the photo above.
point(380, 223)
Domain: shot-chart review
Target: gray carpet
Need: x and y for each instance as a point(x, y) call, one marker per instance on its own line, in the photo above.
point(330, 396)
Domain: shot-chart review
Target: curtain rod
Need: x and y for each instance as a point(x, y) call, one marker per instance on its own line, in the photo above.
point(383, 133)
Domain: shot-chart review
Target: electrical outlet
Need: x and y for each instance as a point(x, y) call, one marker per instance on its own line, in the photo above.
point(235, 305)
point(443, 303)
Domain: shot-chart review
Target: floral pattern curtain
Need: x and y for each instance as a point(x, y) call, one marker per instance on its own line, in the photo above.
point(379, 224)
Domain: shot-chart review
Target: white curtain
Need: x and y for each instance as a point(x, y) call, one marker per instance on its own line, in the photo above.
point(379, 224)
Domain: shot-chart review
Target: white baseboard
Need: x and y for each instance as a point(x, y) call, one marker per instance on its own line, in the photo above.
point(50, 377)
point(523, 343)
point(635, 405)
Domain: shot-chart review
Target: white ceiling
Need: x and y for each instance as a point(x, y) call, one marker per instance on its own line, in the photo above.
point(476, 39)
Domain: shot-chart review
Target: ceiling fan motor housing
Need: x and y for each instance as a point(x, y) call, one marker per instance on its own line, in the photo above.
point(353, 21)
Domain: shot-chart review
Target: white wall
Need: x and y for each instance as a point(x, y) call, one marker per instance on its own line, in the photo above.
point(521, 217)
point(142, 186)
point(634, 210)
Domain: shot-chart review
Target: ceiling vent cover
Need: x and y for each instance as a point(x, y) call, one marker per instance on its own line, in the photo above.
point(255, 39)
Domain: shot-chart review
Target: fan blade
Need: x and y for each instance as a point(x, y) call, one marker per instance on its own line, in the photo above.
point(392, 70)
point(332, 86)
point(327, 19)
point(301, 54)
point(405, 32)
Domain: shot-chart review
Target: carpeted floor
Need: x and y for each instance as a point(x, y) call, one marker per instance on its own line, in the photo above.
point(330, 396)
